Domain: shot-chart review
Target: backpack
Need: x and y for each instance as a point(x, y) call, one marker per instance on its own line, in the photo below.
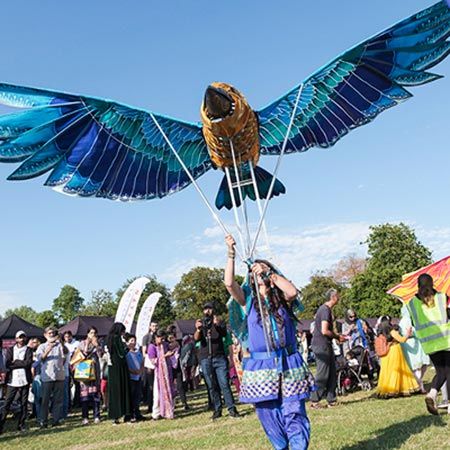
point(381, 345)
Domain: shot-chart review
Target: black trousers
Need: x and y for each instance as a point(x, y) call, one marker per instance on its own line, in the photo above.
point(441, 362)
point(136, 395)
point(11, 393)
point(147, 388)
point(326, 374)
point(181, 387)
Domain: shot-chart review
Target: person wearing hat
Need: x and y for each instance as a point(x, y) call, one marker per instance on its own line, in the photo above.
point(209, 333)
point(18, 361)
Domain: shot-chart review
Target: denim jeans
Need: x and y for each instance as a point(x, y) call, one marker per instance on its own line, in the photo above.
point(66, 398)
point(36, 388)
point(218, 365)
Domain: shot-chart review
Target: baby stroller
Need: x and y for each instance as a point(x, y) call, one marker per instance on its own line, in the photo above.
point(350, 371)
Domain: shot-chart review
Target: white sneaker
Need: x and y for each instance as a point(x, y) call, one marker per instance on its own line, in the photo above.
point(443, 405)
point(85, 422)
point(96, 420)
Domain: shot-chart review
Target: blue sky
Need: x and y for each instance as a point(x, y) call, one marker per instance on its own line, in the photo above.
point(161, 56)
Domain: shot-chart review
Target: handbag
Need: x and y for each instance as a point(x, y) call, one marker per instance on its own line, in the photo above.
point(85, 370)
point(76, 357)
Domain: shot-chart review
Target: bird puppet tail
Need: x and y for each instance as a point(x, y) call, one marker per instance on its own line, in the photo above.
point(263, 181)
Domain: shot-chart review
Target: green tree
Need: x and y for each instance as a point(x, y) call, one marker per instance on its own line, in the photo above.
point(24, 312)
point(394, 250)
point(68, 304)
point(164, 313)
point(46, 319)
point(102, 303)
point(197, 287)
point(313, 295)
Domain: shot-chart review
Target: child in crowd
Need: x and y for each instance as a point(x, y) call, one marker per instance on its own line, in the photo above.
point(135, 362)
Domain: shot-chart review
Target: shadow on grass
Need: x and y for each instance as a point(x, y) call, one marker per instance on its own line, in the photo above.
point(374, 396)
point(397, 434)
point(36, 432)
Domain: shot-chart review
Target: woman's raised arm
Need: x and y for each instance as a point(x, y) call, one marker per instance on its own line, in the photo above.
point(230, 283)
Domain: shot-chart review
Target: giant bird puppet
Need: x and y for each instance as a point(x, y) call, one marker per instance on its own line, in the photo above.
point(100, 148)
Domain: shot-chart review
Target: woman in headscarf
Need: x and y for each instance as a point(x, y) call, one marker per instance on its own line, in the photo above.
point(275, 378)
point(90, 390)
point(119, 399)
point(163, 359)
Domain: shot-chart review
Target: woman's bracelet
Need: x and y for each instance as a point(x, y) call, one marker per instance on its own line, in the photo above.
point(231, 254)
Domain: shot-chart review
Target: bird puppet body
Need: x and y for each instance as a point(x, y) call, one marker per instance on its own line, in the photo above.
point(100, 148)
point(231, 132)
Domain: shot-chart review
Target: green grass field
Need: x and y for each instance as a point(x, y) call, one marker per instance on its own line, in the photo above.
point(359, 422)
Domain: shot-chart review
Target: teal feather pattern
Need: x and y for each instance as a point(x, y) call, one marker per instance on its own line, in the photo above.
point(95, 147)
point(358, 85)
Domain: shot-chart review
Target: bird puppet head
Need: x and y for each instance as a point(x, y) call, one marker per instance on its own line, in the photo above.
point(226, 115)
point(224, 108)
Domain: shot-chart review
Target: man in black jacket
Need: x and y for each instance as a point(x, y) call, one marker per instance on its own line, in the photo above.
point(18, 361)
point(210, 333)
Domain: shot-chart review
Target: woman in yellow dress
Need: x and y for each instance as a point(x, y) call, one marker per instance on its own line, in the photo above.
point(396, 378)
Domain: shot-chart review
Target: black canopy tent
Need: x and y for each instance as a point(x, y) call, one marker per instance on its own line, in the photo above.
point(80, 325)
point(12, 324)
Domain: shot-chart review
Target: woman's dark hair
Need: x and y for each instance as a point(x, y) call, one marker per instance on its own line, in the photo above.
point(426, 290)
point(129, 336)
point(385, 327)
point(92, 329)
point(160, 333)
point(276, 296)
point(116, 330)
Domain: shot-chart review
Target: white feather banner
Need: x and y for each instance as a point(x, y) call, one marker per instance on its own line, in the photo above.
point(129, 301)
point(145, 316)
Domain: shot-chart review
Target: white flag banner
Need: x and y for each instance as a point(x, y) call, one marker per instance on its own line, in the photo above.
point(129, 301)
point(145, 316)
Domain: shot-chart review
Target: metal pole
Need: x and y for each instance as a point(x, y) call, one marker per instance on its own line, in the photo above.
point(272, 184)
point(235, 211)
point(264, 325)
point(258, 202)
point(202, 195)
point(244, 209)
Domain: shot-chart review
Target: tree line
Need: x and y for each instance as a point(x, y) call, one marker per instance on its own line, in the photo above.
point(393, 250)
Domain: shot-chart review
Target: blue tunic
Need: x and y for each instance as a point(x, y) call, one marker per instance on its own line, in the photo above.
point(277, 382)
point(263, 373)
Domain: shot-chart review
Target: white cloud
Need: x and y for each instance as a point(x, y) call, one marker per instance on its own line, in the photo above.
point(8, 300)
point(435, 238)
point(173, 273)
point(298, 252)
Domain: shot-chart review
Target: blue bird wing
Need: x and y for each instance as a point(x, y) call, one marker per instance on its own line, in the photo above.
point(355, 87)
point(97, 148)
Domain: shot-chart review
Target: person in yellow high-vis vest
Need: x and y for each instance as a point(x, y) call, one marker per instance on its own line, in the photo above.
point(430, 316)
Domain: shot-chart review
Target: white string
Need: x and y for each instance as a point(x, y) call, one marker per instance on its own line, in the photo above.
point(272, 184)
point(235, 211)
point(263, 321)
point(258, 202)
point(197, 187)
point(243, 205)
